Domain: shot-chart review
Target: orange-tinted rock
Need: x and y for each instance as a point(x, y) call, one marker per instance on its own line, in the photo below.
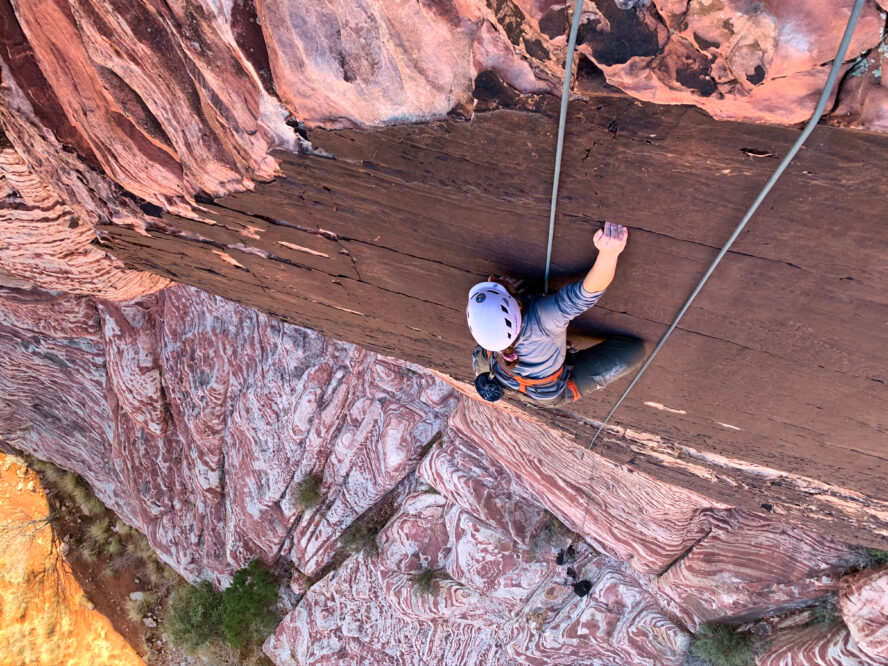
point(47, 618)
point(863, 599)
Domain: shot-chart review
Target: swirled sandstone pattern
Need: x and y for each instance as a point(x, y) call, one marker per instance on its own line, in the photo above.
point(196, 418)
point(864, 602)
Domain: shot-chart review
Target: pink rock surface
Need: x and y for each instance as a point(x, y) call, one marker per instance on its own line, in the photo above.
point(195, 419)
point(346, 619)
point(340, 63)
point(617, 623)
point(863, 599)
point(745, 569)
point(738, 60)
point(161, 92)
point(45, 243)
point(466, 475)
point(816, 646)
point(594, 496)
point(114, 104)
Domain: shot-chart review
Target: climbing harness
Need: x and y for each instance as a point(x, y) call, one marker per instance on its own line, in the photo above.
point(815, 118)
point(524, 382)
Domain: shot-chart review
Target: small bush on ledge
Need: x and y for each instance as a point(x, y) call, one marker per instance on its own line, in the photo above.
point(877, 557)
point(721, 645)
point(361, 536)
point(243, 615)
point(426, 580)
point(308, 492)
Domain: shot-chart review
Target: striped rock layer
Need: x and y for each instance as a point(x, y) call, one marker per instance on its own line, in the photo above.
point(196, 419)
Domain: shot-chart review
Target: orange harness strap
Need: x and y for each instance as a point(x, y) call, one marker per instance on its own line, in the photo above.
point(523, 382)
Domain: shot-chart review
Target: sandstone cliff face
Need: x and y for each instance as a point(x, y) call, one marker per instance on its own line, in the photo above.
point(169, 102)
point(195, 418)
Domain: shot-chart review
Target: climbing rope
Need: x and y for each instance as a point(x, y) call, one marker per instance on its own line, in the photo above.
point(815, 118)
point(565, 93)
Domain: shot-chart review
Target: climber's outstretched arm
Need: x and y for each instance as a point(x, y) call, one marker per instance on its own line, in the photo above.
point(610, 241)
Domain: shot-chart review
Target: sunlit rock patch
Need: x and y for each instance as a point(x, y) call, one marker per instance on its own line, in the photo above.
point(45, 617)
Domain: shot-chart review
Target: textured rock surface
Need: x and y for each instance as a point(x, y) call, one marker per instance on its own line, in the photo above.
point(864, 602)
point(44, 242)
point(816, 646)
point(728, 576)
point(736, 59)
point(144, 104)
point(195, 418)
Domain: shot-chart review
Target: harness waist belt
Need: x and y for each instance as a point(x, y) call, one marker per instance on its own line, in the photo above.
point(524, 382)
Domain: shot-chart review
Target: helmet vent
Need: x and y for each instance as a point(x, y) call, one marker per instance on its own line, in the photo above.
point(508, 323)
point(504, 309)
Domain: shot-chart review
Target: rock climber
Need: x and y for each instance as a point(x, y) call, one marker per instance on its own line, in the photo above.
point(523, 341)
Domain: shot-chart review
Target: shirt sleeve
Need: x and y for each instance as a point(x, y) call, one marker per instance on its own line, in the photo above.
point(557, 310)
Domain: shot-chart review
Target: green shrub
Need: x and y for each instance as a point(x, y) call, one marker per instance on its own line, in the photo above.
point(99, 530)
point(194, 615)
point(244, 614)
point(136, 609)
point(722, 646)
point(93, 506)
point(114, 546)
point(426, 581)
point(877, 557)
point(308, 492)
point(249, 605)
point(360, 536)
point(826, 611)
point(69, 483)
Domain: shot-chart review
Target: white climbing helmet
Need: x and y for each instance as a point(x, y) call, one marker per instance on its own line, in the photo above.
point(493, 315)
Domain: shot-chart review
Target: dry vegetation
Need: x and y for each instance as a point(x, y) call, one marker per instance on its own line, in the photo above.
point(45, 615)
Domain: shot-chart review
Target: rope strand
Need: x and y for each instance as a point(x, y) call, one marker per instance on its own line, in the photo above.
point(815, 118)
point(565, 93)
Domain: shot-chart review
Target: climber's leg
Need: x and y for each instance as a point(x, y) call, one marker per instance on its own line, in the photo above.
point(598, 366)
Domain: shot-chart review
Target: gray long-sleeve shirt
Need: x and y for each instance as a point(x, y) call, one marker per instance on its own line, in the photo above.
point(542, 345)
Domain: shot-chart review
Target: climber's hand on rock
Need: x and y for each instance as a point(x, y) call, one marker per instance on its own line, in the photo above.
point(612, 239)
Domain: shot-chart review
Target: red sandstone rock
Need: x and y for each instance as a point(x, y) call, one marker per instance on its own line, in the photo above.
point(161, 92)
point(346, 619)
point(462, 472)
point(863, 599)
point(617, 623)
point(592, 495)
point(745, 569)
point(738, 60)
point(816, 646)
point(195, 418)
point(45, 243)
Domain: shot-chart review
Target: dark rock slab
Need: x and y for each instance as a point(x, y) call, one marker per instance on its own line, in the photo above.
point(779, 363)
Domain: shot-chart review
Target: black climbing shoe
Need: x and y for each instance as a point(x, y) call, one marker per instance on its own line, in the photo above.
point(559, 560)
point(572, 573)
point(488, 388)
point(582, 588)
